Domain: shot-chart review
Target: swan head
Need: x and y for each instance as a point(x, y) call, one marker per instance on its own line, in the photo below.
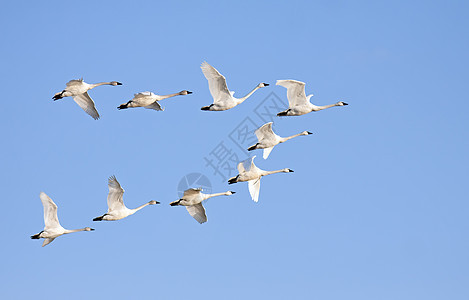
point(114, 83)
point(262, 84)
point(88, 229)
point(229, 193)
point(306, 133)
point(286, 170)
point(185, 92)
point(341, 103)
point(153, 202)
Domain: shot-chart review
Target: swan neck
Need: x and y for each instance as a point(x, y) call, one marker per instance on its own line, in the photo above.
point(168, 96)
point(272, 172)
point(73, 230)
point(139, 208)
point(98, 84)
point(214, 195)
point(289, 137)
point(321, 107)
point(240, 100)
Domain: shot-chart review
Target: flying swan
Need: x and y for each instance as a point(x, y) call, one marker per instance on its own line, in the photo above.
point(149, 100)
point(222, 97)
point(268, 139)
point(192, 200)
point(298, 102)
point(252, 174)
point(115, 202)
point(52, 228)
point(78, 90)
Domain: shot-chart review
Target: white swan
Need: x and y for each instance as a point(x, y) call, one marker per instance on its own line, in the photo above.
point(252, 174)
point(149, 100)
point(78, 90)
point(222, 97)
point(298, 102)
point(115, 202)
point(52, 228)
point(268, 139)
point(192, 200)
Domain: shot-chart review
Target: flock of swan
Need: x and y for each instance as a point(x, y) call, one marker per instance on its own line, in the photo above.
point(223, 99)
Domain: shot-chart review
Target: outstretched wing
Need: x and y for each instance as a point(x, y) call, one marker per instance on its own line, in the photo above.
point(87, 104)
point(47, 241)
point(75, 82)
point(190, 192)
point(246, 165)
point(265, 132)
point(115, 199)
point(254, 187)
point(50, 212)
point(267, 152)
point(155, 105)
point(295, 92)
point(142, 95)
point(197, 212)
point(216, 83)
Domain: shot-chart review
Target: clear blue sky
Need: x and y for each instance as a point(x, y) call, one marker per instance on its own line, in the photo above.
point(377, 207)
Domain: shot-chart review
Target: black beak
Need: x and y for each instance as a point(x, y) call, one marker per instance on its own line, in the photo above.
point(119, 83)
point(233, 192)
point(189, 92)
point(309, 132)
point(345, 103)
point(92, 229)
point(290, 170)
point(158, 202)
point(266, 84)
point(175, 203)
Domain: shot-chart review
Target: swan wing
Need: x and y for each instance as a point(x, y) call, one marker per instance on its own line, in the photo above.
point(246, 165)
point(265, 132)
point(75, 82)
point(115, 198)
point(142, 95)
point(47, 241)
point(50, 212)
point(155, 105)
point(191, 192)
point(267, 152)
point(216, 83)
point(197, 211)
point(87, 104)
point(295, 92)
point(254, 187)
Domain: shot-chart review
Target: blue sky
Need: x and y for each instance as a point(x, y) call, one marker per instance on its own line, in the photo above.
point(377, 206)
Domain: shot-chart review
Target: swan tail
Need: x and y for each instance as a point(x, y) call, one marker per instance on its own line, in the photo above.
point(124, 106)
point(175, 203)
point(283, 113)
point(36, 236)
point(253, 147)
point(99, 218)
point(207, 107)
point(233, 180)
point(58, 95)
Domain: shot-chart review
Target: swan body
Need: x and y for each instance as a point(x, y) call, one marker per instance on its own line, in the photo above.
point(78, 90)
point(267, 139)
point(115, 202)
point(192, 200)
point(298, 102)
point(222, 97)
point(149, 100)
point(52, 228)
point(249, 172)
